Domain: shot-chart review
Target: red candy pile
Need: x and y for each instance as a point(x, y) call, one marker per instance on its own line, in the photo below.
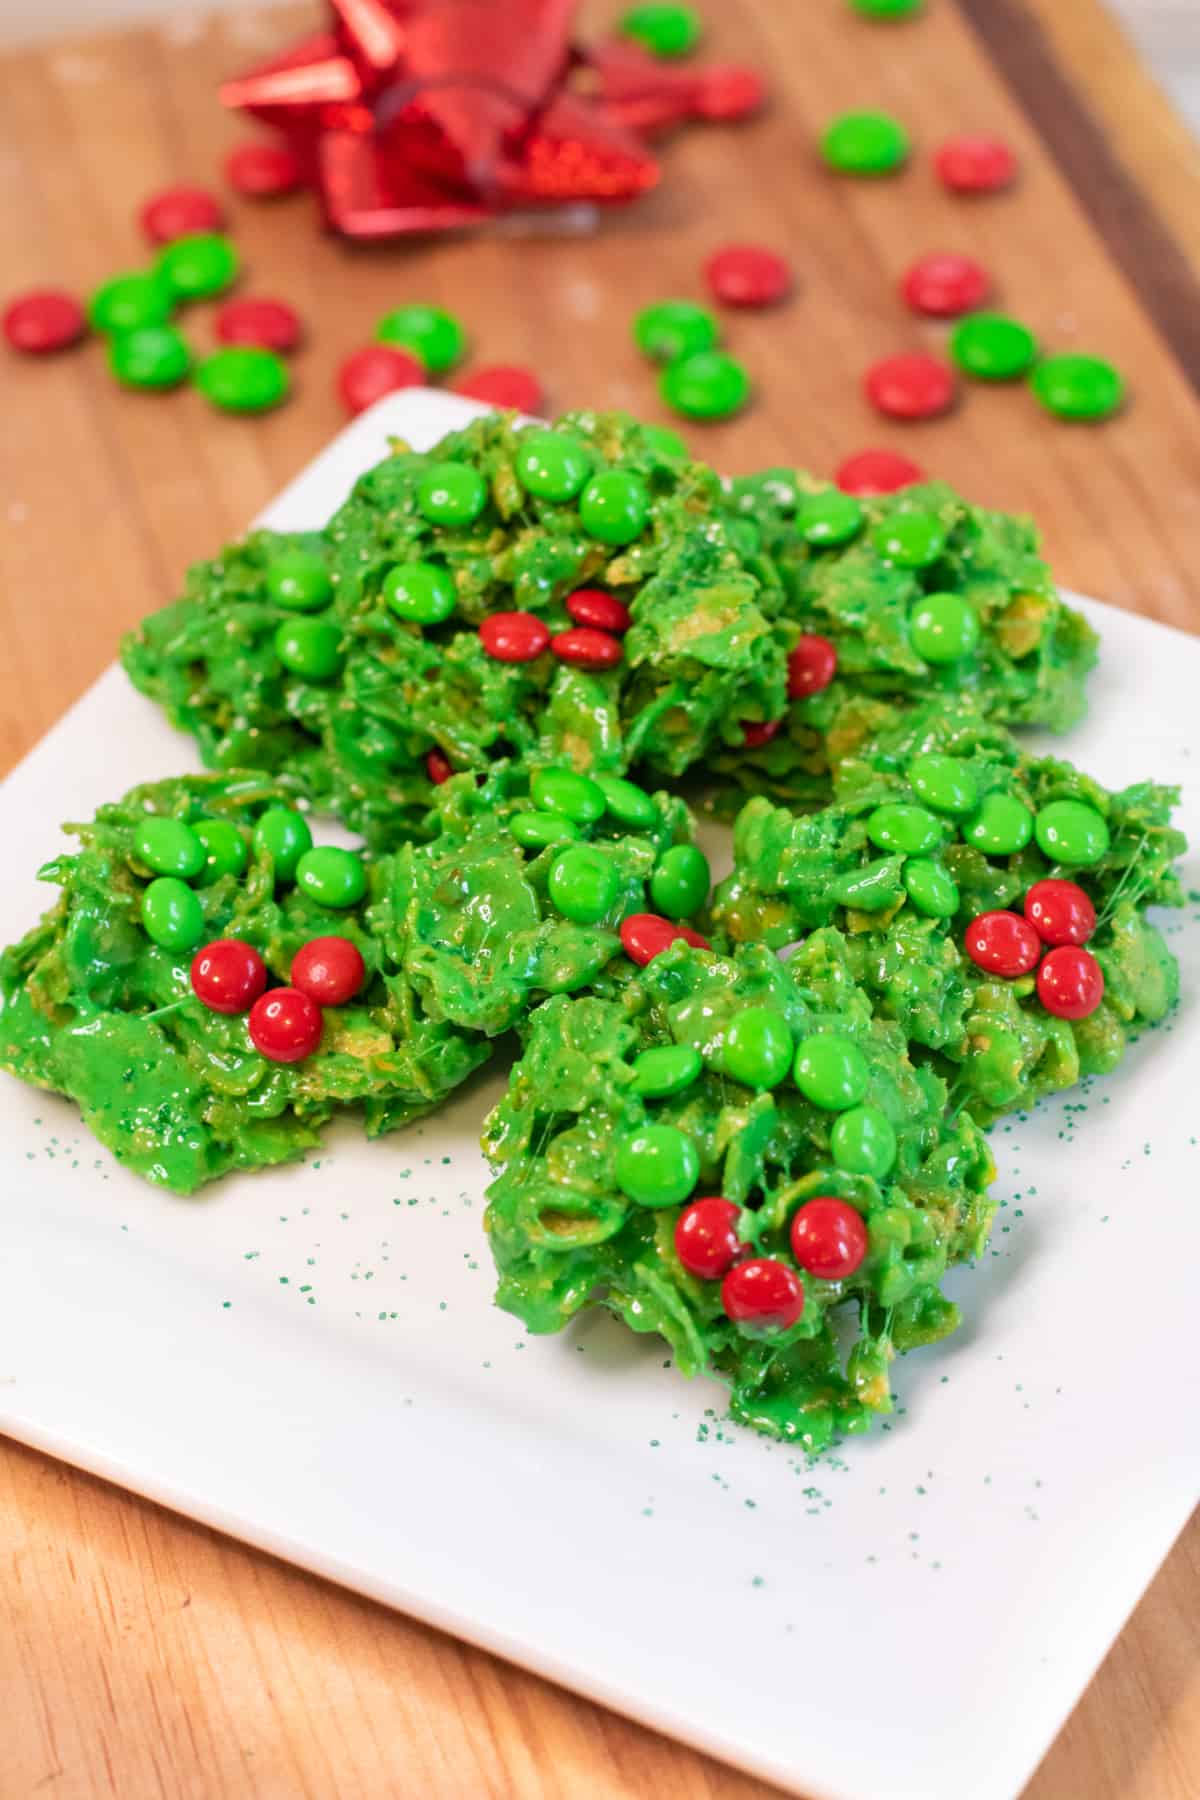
point(285, 1023)
point(1057, 913)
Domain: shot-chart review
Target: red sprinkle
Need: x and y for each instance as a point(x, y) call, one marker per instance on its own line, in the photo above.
point(828, 1237)
point(747, 275)
point(759, 731)
point(646, 935)
point(913, 385)
point(763, 1294)
point(1060, 912)
point(504, 385)
point(1003, 943)
point(943, 285)
point(228, 975)
point(438, 767)
point(877, 472)
point(514, 637)
point(1070, 982)
point(706, 1239)
point(177, 211)
point(811, 666)
point(975, 164)
point(42, 320)
point(329, 970)
point(262, 170)
point(285, 1025)
point(586, 648)
point(375, 370)
point(592, 606)
point(269, 323)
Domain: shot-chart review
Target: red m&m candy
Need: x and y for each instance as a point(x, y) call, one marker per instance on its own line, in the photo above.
point(706, 1239)
point(828, 1237)
point(1060, 912)
point(913, 385)
point(729, 91)
point(975, 164)
point(811, 666)
point(375, 370)
point(759, 731)
point(762, 1295)
point(1070, 982)
point(228, 975)
point(262, 170)
point(269, 323)
point(285, 1025)
point(646, 935)
point(514, 637)
point(586, 648)
point(329, 970)
point(592, 606)
point(438, 767)
point(747, 275)
point(942, 285)
point(877, 472)
point(504, 385)
point(43, 320)
point(179, 212)
point(1003, 943)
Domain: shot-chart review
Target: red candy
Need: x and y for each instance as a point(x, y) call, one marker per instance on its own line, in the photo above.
point(975, 165)
point(877, 472)
point(913, 385)
point(375, 370)
point(1070, 982)
point(438, 767)
point(586, 648)
point(729, 91)
point(1003, 943)
point(759, 731)
point(269, 323)
point(504, 385)
point(285, 1025)
point(706, 1239)
point(763, 1294)
point(942, 286)
point(646, 935)
point(514, 637)
point(1060, 912)
point(262, 170)
point(329, 970)
point(178, 211)
point(811, 666)
point(42, 320)
point(228, 975)
point(829, 1238)
point(747, 275)
point(592, 606)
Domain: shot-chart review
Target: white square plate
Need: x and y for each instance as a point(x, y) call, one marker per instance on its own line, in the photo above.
point(309, 1359)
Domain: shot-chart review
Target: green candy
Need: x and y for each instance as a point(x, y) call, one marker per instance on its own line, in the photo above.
point(864, 143)
point(1078, 387)
point(199, 265)
point(680, 883)
point(946, 783)
point(309, 647)
point(225, 850)
point(706, 385)
point(452, 493)
point(534, 830)
point(668, 1070)
point(887, 9)
point(656, 1166)
point(663, 30)
point(429, 333)
point(627, 803)
point(943, 628)
point(283, 835)
point(930, 888)
point(421, 592)
point(993, 348)
point(171, 914)
point(674, 328)
point(832, 1072)
point(129, 303)
point(666, 443)
point(899, 826)
point(1001, 827)
point(829, 518)
point(1069, 831)
point(551, 466)
point(332, 877)
point(298, 580)
point(863, 1142)
point(614, 506)
point(152, 356)
point(584, 884)
point(563, 791)
point(911, 539)
point(169, 847)
point(758, 1047)
point(243, 379)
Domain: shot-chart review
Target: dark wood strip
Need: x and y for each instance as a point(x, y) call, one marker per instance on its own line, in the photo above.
point(1136, 237)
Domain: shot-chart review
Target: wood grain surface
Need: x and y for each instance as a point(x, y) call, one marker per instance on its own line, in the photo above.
point(141, 1654)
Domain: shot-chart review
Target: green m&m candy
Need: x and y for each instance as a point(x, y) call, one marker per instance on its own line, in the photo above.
point(992, 348)
point(666, 443)
point(662, 29)
point(656, 1166)
point(283, 835)
point(832, 1072)
point(153, 356)
point(534, 830)
point(299, 580)
point(758, 1047)
point(421, 592)
point(550, 465)
point(169, 847)
point(243, 379)
point(668, 1069)
point(1078, 387)
point(905, 829)
point(198, 265)
point(577, 797)
point(887, 9)
point(129, 302)
point(1001, 827)
point(946, 783)
point(863, 1142)
point(614, 506)
point(584, 884)
point(931, 889)
point(429, 333)
point(627, 803)
point(1070, 831)
point(829, 518)
point(309, 648)
point(332, 877)
point(171, 914)
point(674, 328)
point(225, 850)
point(452, 493)
point(680, 883)
point(864, 143)
point(706, 385)
point(943, 628)
point(911, 539)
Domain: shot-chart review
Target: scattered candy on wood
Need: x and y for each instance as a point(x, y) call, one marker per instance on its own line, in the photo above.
point(991, 347)
point(1078, 387)
point(748, 275)
point(504, 385)
point(975, 164)
point(865, 143)
point(673, 328)
point(707, 385)
point(44, 320)
point(368, 374)
point(435, 337)
point(887, 9)
point(263, 170)
point(179, 212)
point(870, 472)
point(270, 324)
point(198, 266)
point(662, 29)
point(127, 302)
point(912, 386)
point(243, 379)
point(943, 285)
point(153, 357)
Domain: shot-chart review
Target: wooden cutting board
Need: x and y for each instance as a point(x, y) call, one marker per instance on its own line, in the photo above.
point(140, 1654)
